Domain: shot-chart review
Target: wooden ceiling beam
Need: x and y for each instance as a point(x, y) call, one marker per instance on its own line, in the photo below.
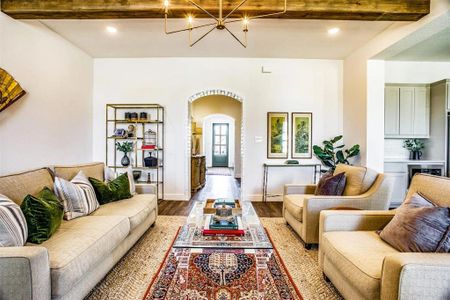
point(370, 10)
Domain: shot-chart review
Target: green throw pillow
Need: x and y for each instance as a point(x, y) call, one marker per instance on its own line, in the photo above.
point(44, 213)
point(117, 189)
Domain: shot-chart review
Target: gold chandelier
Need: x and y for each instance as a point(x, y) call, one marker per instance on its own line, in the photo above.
point(219, 23)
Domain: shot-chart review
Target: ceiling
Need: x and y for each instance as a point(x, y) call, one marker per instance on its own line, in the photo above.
point(435, 48)
point(268, 38)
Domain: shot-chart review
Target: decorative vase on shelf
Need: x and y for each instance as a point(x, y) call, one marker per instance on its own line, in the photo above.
point(415, 155)
point(125, 160)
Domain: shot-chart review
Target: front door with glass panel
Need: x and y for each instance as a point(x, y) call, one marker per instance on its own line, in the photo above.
point(220, 145)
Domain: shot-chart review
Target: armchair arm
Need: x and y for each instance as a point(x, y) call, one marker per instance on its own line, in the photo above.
point(359, 220)
point(416, 276)
point(24, 273)
point(299, 189)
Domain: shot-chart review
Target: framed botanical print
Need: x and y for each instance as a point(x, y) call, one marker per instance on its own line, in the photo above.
point(277, 134)
point(301, 135)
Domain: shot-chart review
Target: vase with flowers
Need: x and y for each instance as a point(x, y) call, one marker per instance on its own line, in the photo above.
point(415, 147)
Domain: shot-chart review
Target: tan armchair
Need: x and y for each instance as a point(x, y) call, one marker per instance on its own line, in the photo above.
point(365, 189)
point(362, 266)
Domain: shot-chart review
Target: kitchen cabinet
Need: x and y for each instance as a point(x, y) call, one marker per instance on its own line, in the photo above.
point(407, 111)
point(399, 172)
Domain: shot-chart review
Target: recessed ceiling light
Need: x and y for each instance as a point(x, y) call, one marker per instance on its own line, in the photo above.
point(111, 29)
point(333, 30)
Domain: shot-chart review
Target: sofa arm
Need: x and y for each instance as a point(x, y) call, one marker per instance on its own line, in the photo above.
point(24, 273)
point(354, 220)
point(299, 189)
point(416, 276)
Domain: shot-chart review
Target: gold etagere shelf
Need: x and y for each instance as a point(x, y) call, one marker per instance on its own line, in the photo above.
point(115, 119)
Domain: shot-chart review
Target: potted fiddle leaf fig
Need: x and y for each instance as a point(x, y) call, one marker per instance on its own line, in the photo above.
point(125, 147)
point(333, 153)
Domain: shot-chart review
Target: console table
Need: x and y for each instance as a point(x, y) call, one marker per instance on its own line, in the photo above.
point(317, 169)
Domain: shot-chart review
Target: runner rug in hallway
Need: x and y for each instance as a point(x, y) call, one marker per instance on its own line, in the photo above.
point(219, 171)
point(196, 273)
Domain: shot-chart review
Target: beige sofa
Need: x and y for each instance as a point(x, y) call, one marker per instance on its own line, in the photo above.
point(362, 266)
point(81, 252)
point(365, 189)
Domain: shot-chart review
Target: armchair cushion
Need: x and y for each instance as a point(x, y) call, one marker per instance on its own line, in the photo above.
point(294, 205)
point(419, 226)
point(359, 179)
point(359, 255)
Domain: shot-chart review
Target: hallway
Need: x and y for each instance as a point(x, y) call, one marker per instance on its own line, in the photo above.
point(219, 186)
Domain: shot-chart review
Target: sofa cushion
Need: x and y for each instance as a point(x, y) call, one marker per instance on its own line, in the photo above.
point(359, 255)
point(95, 170)
point(136, 209)
point(359, 179)
point(79, 245)
point(111, 191)
point(13, 225)
point(294, 205)
point(17, 186)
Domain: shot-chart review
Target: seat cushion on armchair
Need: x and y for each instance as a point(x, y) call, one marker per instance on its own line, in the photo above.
point(359, 255)
point(136, 209)
point(80, 245)
point(294, 205)
point(359, 179)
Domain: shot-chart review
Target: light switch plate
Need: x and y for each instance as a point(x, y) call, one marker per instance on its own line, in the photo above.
point(258, 139)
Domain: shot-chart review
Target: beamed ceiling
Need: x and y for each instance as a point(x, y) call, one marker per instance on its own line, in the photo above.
point(368, 10)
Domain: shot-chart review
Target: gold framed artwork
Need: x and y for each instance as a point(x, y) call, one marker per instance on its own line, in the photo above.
point(277, 134)
point(301, 130)
point(10, 90)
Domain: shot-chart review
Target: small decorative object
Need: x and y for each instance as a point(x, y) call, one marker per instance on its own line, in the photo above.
point(128, 116)
point(143, 116)
point(277, 135)
point(120, 133)
point(330, 157)
point(125, 147)
point(131, 131)
point(149, 178)
point(291, 162)
point(301, 135)
point(134, 116)
point(414, 146)
point(10, 90)
point(149, 140)
point(137, 174)
point(150, 161)
point(211, 205)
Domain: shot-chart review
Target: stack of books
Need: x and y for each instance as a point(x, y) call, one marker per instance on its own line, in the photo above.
point(228, 226)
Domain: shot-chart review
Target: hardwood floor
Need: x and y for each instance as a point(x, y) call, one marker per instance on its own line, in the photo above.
point(218, 186)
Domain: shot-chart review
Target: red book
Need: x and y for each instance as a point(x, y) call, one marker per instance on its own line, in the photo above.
point(148, 147)
point(227, 232)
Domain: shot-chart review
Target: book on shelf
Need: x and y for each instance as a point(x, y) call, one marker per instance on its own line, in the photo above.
point(236, 229)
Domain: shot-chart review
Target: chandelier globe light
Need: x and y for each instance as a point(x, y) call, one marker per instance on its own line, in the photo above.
point(219, 22)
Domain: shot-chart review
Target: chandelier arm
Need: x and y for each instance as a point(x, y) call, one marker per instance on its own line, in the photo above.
point(271, 14)
point(234, 9)
point(233, 21)
point(200, 38)
point(186, 29)
point(237, 39)
point(203, 10)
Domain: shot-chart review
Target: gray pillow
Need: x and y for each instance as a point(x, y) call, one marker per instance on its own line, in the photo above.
point(419, 226)
point(330, 185)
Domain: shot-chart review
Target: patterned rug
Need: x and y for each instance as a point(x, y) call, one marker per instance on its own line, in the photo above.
point(129, 279)
point(203, 274)
point(219, 171)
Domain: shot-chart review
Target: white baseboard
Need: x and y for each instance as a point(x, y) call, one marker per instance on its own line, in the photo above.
point(175, 197)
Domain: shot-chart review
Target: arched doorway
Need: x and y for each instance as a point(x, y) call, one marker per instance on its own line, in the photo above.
point(204, 110)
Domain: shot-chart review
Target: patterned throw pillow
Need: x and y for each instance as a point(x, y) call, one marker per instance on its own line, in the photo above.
point(419, 226)
point(13, 226)
point(330, 185)
point(44, 213)
point(78, 196)
point(115, 190)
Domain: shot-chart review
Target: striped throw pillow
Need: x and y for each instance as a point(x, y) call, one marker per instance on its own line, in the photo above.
point(13, 226)
point(78, 196)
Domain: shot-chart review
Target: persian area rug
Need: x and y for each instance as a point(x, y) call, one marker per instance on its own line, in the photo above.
point(222, 274)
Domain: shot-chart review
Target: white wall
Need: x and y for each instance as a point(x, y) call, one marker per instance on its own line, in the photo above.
point(416, 72)
point(207, 138)
point(293, 86)
point(52, 124)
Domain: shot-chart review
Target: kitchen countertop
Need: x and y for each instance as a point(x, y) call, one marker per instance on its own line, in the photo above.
point(414, 162)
